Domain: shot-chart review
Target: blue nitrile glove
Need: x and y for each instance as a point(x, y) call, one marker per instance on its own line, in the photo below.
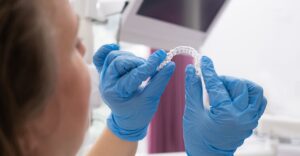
point(235, 108)
point(132, 105)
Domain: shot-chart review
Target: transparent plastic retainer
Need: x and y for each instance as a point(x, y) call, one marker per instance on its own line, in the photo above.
point(183, 50)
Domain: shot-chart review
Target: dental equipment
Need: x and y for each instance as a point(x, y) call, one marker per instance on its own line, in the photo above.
point(184, 50)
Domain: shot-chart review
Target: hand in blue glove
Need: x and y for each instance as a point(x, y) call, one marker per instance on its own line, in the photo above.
point(121, 77)
point(235, 108)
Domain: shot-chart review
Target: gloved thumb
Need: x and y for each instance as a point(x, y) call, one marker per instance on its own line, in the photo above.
point(193, 89)
point(136, 76)
point(216, 90)
point(159, 82)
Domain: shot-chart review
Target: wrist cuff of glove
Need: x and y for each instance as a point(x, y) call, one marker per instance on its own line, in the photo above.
point(124, 134)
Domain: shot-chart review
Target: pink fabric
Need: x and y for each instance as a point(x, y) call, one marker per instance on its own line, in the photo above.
point(166, 127)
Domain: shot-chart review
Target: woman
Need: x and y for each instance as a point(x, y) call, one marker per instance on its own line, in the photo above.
point(45, 88)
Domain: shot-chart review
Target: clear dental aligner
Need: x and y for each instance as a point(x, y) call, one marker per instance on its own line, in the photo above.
point(183, 50)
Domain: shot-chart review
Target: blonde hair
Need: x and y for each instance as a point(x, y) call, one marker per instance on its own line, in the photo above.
point(26, 71)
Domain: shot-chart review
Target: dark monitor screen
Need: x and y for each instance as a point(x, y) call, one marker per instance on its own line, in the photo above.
point(193, 14)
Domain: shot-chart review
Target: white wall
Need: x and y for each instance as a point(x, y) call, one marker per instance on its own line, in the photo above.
point(260, 40)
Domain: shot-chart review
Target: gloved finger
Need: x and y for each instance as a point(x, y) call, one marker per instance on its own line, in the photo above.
point(256, 95)
point(230, 143)
point(215, 88)
point(136, 76)
point(262, 107)
point(237, 90)
point(158, 83)
point(119, 66)
point(193, 89)
point(109, 59)
point(101, 54)
point(122, 65)
point(115, 54)
point(256, 114)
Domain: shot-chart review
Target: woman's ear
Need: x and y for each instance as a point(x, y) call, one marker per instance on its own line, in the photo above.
point(27, 141)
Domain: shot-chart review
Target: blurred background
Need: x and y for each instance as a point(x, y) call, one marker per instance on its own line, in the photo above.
point(252, 39)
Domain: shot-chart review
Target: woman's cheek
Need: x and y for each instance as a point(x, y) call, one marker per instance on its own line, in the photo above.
point(81, 93)
point(85, 82)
